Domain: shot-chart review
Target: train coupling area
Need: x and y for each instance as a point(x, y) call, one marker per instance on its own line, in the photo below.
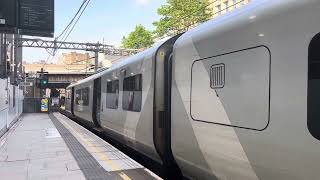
point(51, 146)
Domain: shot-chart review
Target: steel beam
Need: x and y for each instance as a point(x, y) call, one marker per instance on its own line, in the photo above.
point(94, 47)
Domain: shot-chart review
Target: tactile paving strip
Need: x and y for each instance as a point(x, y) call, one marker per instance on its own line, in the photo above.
point(91, 169)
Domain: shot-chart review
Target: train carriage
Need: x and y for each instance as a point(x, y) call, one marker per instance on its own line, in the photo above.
point(243, 104)
point(234, 98)
point(128, 101)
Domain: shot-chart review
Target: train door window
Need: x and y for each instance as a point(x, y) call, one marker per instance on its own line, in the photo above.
point(132, 93)
point(78, 96)
point(85, 96)
point(112, 94)
point(68, 94)
point(313, 115)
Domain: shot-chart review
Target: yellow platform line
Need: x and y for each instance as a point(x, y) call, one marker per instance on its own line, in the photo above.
point(124, 176)
point(101, 155)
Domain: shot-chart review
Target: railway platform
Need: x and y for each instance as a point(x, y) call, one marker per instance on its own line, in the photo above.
point(51, 146)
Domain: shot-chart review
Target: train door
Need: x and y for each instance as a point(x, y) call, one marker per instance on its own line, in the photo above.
point(72, 101)
point(96, 102)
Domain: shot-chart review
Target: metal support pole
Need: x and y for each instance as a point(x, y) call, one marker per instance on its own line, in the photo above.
point(15, 61)
point(3, 57)
point(96, 61)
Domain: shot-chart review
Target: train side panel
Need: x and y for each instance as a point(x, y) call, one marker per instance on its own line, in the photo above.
point(127, 102)
point(83, 94)
point(239, 94)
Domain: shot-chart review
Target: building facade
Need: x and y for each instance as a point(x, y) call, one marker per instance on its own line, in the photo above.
point(219, 7)
point(74, 58)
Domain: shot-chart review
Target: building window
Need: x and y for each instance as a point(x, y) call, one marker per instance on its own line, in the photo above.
point(82, 97)
point(218, 7)
point(234, 3)
point(112, 94)
point(132, 93)
point(226, 4)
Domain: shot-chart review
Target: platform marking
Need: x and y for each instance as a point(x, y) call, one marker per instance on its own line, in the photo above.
point(77, 129)
point(102, 156)
point(124, 176)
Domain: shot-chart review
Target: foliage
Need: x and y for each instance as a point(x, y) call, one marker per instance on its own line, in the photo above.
point(181, 15)
point(139, 38)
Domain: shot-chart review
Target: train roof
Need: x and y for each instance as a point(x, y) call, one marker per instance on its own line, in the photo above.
point(129, 60)
point(254, 11)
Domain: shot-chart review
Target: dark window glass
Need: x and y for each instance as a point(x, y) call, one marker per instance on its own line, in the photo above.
point(314, 87)
point(85, 96)
point(82, 97)
point(132, 93)
point(14, 96)
point(78, 97)
point(112, 94)
point(68, 94)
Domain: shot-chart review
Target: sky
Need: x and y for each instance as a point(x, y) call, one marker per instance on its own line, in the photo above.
point(103, 20)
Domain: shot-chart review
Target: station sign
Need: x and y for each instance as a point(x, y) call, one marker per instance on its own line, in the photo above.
point(26, 84)
point(27, 17)
point(8, 20)
point(44, 105)
point(36, 17)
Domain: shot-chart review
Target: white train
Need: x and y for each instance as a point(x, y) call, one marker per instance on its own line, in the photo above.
point(235, 98)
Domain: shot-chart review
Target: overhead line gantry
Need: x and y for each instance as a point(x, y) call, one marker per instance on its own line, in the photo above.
point(94, 47)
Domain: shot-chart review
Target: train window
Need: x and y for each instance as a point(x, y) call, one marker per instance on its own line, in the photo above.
point(67, 94)
point(85, 96)
point(112, 94)
point(132, 93)
point(78, 97)
point(314, 88)
point(82, 97)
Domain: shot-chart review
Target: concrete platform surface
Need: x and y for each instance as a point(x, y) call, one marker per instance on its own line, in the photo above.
point(48, 147)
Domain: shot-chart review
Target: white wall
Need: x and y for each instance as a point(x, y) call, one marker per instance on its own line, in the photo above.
point(3, 105)
point(11, 104)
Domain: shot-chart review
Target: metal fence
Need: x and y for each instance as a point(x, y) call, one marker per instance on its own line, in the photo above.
point(33, 105)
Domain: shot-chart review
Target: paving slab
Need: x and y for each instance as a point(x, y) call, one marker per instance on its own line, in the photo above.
point(53, 147)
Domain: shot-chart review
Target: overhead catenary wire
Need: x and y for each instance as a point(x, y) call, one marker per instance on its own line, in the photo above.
point(88, 1)
point(65, 34)
point(68, 26)
point(72, 20)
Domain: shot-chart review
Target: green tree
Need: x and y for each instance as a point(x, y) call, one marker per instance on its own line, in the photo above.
point(139, 38)
point(181, 15)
